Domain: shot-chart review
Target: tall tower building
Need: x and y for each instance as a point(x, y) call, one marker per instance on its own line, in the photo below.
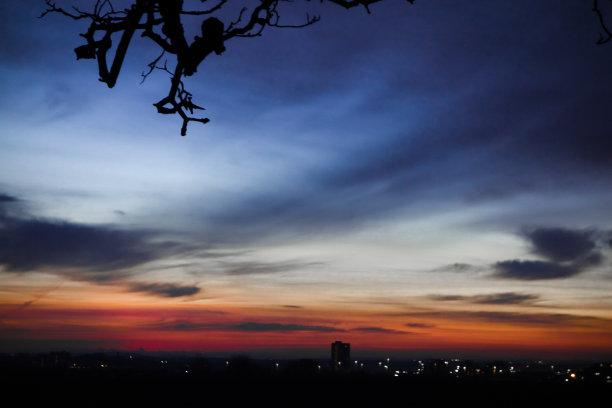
point(340, 355)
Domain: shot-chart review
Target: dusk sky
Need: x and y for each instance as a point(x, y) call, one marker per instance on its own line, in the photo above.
point(433, 179)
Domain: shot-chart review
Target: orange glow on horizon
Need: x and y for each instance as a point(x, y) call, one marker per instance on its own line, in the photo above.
point(189, 326)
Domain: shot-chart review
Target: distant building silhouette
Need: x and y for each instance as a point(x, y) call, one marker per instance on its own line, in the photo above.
point(340, 355)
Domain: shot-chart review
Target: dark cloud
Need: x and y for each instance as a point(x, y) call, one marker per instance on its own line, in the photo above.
point(447, 298)
point(8, 205)
point(186, 325)
point(271, 327)
point(183, 325)
point(559, 244)
point(493, 299)
point(537, 319)
point(457, 267)
point(505, 298)
point(170, 290)
point(5, 198)
point(419, 325)
point(27, 245)
point(252, 267)
point(379, 330)
point(569, 253)
point(534, 270)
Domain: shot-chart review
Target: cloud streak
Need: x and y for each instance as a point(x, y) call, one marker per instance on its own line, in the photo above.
point(506, 298)
point(534, 270)
point(169, 290)
point(282, 327)
point(244, 327)
point(256, 268)
point(375, 329)
point(513, 318)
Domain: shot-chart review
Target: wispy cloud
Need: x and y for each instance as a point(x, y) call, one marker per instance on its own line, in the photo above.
point(458, 268)
point(512, 318)
point(169, 290)
point(419, 325)
point(249, 326)
point(533, 270)
point(254, 267)
point(271, 327)
point(505, 298)
point(492, 299)
point(375, 329)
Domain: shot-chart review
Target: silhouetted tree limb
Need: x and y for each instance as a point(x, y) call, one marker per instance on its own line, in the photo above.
point(161, 22)
point(607, 36)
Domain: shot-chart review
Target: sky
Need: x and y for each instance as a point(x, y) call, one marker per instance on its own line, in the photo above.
point(427, 179)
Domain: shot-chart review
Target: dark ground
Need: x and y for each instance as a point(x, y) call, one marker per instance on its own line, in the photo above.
point(201, 383)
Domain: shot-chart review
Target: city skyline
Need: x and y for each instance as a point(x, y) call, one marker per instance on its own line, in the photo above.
point(421, 180)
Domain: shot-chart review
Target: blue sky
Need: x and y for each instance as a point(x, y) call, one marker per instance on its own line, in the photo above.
point(421, 156)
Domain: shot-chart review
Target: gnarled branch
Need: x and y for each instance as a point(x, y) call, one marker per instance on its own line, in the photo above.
point(161, 22)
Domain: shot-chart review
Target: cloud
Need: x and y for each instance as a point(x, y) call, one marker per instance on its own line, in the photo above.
point(568, 253)
point(447, 298)
point(186, 325)
point(5, 198)
point(170, 290)
point(271, 327)
point(380, 330)
point(253, 268)
point(493, 299)
point(534, 270)
point(561, 245)
point(513, 318)
point(457, 267)
point(505, 298)
point(419, 325)
point(8, 205)
point(35, 244)
point(182, 325)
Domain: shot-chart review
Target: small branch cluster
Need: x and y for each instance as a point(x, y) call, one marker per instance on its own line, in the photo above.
point(160, 21)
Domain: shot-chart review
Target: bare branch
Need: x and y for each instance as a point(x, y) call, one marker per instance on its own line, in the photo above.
point(204, 12)
point(153, 66)
point(161, 22)
point(347, 4)
point(608, 35)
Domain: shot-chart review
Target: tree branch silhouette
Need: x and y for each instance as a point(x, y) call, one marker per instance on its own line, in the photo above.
point(161, 22)
point(607, 36)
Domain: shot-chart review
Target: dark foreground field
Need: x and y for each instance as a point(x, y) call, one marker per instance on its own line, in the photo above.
point(114, 388)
